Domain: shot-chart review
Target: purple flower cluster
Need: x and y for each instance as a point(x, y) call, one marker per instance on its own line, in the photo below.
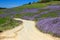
point(49, 25)
point(31, 10)
point(56, 7)
point(51, 9)
point(3, 15)
point(27, 18)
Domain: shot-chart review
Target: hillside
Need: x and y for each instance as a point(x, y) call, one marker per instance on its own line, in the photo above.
point(36, 11)
point(33, 9)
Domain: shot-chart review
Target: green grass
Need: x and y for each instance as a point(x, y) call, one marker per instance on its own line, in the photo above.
point(54, 3)
point(12, 24)
point(1, 12)
point(49, 15)
point(3, 20)
point(25, 14)
point(8, 23)
point(35, 5)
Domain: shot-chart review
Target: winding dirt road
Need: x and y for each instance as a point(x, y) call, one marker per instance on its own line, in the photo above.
point(26, 31)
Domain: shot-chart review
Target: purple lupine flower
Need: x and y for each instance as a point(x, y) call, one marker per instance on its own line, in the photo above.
point(56, 7)
point(31, 10)
point(49, 25)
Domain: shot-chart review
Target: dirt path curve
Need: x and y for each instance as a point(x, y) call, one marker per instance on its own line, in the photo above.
point(26, 31)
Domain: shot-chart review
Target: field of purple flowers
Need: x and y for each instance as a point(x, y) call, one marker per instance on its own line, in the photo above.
point(47, 18)
point(50, 25)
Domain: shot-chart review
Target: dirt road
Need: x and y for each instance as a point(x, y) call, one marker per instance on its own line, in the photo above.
point(26, 31)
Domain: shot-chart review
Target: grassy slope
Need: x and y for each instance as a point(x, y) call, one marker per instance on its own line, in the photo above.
point(34, 5)
point(8, 23)
point(38, 5)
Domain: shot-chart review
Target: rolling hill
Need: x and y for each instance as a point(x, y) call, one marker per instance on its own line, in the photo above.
point(35, 12)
